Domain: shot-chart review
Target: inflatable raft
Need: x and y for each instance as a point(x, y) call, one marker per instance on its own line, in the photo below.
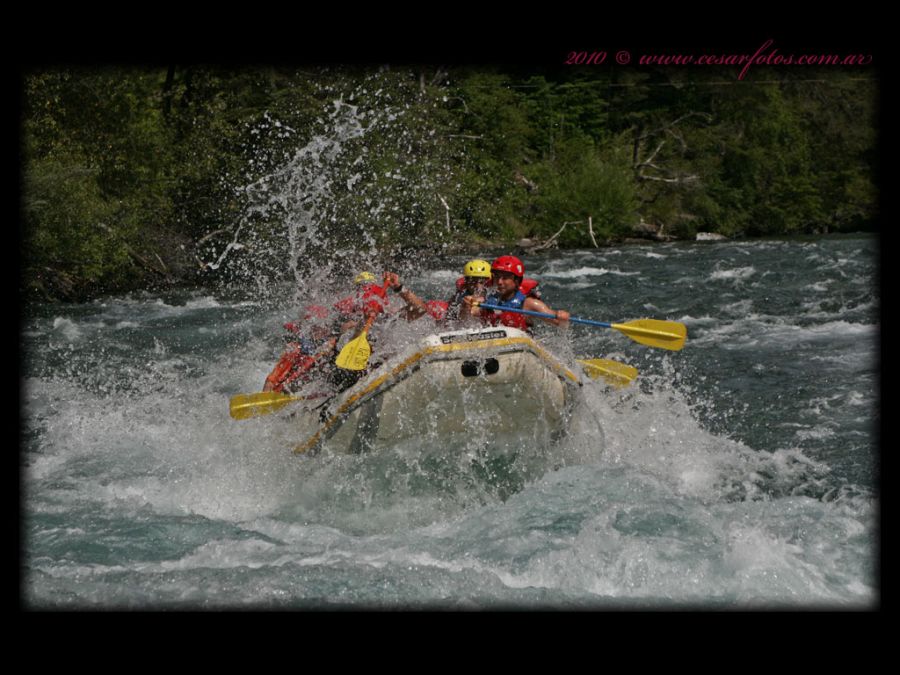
point(491, 383)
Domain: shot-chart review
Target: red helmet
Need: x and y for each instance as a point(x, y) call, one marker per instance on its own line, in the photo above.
point(509, 263)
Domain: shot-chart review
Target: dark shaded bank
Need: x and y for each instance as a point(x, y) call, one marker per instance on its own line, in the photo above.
point(164, 260)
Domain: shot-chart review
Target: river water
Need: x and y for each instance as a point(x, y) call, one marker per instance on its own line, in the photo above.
point(739, 473)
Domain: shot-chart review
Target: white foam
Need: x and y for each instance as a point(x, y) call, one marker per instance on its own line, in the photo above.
point(855, 398)
point(758, 328)
point(818, 287)
point(740, 308)
point(588, 272)
point(207, 302)
point(67, 328)
point(751, 551)
point(817, 434)
point(703, 320)
point(737, 274)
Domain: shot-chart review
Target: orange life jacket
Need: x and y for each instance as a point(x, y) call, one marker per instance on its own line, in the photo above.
point(292, 365)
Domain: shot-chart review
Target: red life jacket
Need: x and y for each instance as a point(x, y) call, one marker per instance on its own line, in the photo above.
point(369, 299)
point(529, 288)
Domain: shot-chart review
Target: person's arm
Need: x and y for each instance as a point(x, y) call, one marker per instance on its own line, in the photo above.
point(414, 304)
point(535, 305)
point(344, 324)
point(327, 347)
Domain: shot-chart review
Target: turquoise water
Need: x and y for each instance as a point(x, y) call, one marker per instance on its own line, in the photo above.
point(740, 472)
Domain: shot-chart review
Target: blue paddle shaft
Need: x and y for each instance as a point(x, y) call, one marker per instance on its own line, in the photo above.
point(543, 315)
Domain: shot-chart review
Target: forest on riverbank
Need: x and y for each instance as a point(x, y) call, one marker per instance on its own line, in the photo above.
point(135, 177)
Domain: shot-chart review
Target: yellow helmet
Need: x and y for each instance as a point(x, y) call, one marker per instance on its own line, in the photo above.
point(364, 278)
point(477, 268)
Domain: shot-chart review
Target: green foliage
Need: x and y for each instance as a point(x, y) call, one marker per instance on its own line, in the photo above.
point(65, 218)
point(770, 163)
point(127, 166)
point(582, 182)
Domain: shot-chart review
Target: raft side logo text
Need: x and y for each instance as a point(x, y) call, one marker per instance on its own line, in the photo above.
point(766, 55)
point(473, 337)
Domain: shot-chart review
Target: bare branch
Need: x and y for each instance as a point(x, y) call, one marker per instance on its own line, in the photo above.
point(653, 155)
point(161, 263)
point(549, 242)
point(679, 138)
point(447, 209)
point(671, 124)
point(209, 236)
point(461, 100)
point(679, 179)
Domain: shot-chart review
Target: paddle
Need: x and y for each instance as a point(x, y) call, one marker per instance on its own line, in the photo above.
point(244, 406)
point(617, 374)
point(355, 354)
point(652, 332)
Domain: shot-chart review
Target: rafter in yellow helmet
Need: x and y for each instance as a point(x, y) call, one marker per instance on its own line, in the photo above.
point(477, 268)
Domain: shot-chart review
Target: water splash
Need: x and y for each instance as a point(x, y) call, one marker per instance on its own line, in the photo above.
point(372, 174)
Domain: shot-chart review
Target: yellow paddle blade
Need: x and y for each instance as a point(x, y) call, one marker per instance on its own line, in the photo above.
point(655, 333)
point(261, 403)
point(617, 374)
point(355, 354)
